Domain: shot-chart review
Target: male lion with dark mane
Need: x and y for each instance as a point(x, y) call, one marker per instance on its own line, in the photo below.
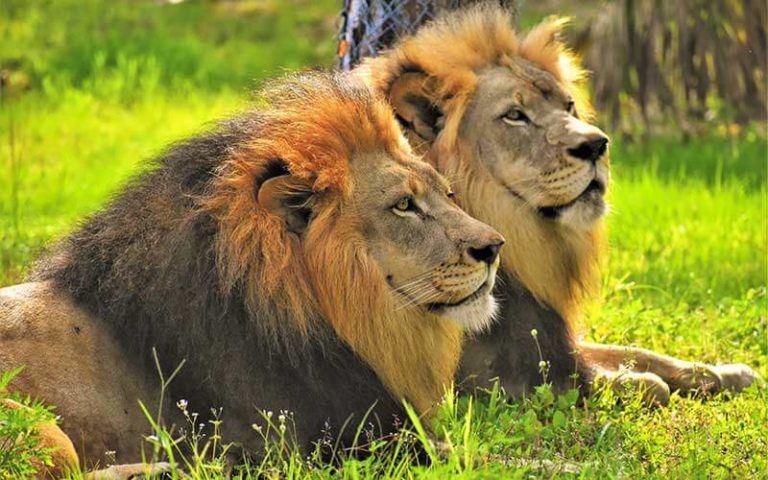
point(504, 117)
point(299, 258)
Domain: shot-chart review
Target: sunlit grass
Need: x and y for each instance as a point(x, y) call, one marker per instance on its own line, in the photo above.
point(63, 160)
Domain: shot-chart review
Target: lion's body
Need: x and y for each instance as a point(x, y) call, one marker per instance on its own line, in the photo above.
point(74, 362)
point(248, 254)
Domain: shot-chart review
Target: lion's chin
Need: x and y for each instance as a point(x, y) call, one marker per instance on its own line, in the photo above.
point(474, 314)
point(584, 213)
point(581, 213)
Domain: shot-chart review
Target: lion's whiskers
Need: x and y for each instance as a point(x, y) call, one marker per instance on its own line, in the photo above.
point(415, 293)
point(415, 280)
point(426, 297)
point(415, 290)
point(519, 181)
point(426, 294)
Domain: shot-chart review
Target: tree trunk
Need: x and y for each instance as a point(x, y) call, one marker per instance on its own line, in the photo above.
point(369, 26)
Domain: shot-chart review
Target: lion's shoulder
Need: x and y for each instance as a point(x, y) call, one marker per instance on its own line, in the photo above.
point(37, 318)
point(38, 309)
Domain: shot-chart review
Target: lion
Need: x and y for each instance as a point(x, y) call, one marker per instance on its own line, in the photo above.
point(299, 258)
point(505, 117)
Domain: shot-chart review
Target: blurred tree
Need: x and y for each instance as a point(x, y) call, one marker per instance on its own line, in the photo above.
point(692, 61)
point(369, 26)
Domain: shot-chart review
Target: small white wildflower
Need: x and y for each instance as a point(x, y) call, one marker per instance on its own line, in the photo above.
point(542, 365)
point(269, 414)
point(256, 427)
point(534, 333)
point(281, 419)
point(282, 428)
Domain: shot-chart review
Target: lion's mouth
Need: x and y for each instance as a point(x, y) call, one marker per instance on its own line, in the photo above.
point(482, 290)
point(553, 211)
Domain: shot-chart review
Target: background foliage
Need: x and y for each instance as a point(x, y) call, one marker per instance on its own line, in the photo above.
point(689, 61)
point(90, 88)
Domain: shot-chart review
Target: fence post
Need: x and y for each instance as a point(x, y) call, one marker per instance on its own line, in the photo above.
point(369, 26)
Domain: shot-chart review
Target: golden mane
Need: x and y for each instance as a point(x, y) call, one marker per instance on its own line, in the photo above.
point(559, 267)
point(329, 270)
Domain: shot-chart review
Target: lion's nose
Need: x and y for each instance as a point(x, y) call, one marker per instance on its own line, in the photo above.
point(487, 253)
point(591, 150)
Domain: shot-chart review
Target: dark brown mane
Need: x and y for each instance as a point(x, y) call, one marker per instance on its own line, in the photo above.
point(184, 261)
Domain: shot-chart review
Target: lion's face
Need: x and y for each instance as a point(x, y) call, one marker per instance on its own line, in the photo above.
point(432, 254)
point(523, 128)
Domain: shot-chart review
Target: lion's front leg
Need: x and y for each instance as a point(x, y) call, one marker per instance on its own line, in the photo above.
point(679, 374)
point(130, 471)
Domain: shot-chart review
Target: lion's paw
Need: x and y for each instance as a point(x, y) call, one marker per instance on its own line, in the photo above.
point(130, 471)
point(654, 390)
point(735, 377)
point(696, 377)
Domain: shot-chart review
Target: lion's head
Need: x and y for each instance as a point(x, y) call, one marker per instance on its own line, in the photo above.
point(504, 117)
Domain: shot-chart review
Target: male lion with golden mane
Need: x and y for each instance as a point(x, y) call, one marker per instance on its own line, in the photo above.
point(504, 117)
point(299, 258)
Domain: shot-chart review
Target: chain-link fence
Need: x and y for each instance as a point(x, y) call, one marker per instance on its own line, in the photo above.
point(368, 26)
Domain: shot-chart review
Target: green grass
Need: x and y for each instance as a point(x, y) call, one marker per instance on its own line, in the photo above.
point(90, 96)
point(20, 452)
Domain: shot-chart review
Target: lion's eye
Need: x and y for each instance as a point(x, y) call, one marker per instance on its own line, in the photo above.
point(404, 204)
point(515, 117)
point(451, 195)
point(571, 107)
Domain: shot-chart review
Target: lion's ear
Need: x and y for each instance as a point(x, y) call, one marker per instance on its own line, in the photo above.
point(288, 197)
point(412, 98)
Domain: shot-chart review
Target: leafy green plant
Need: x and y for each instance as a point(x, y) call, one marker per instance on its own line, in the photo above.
point(20, 452)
